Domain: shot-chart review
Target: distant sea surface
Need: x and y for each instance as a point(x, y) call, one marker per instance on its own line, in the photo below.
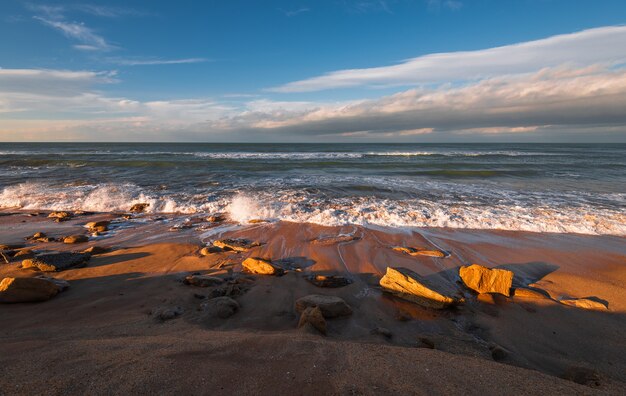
point(578, 188)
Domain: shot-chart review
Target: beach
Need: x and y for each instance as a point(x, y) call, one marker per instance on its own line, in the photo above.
point(132, 320)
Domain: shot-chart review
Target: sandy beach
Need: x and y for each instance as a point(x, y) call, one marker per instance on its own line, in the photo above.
point(129, 322)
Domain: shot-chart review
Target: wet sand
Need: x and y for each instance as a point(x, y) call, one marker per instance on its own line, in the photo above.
point(101, 335)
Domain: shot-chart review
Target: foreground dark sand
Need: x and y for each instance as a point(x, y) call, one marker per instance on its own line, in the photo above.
point(99, 336)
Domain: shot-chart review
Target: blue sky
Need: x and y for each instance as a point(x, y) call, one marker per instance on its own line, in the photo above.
point(333, 70)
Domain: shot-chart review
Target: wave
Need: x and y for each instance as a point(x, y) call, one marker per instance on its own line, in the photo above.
point(569, 215)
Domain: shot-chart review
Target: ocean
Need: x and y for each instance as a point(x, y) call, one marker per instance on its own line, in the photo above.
point(570, 188)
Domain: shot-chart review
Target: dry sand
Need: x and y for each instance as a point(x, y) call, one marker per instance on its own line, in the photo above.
point(100, 336)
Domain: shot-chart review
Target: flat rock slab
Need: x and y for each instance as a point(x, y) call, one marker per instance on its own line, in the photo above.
point(486, 280)
point(331, 281)
point(261, 266)
point(18, 290)
point(331, 306)
point(238, 245)
point(203, 280)
point(584, 303)
point(522, 292)
point(57, 261)
point(334, 239)
point(411, 286)
point(413, 251)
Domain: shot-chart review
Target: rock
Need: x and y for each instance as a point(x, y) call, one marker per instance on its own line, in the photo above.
point(257, 221)
point(424, 342)
point(10, 247)
point(169, 313)
point(60, 216)
point(79, 238)
point(139, 207)
point(485, 280)
point(329, 281)
point(96, 250)
point(238, 245)
point(39, 237)
point(127, 216)
point(100, 226)
point(261, 266)
point(522, 292)
point(382, 331)
point(333, 239)
point(331, 306)
point(17, 290)
point(313, 316)
point(410, 286)
point(221, 307)
point(203, 280)
point(498, 353)
point(412, 251)
point(584, 303)
point(24, 254)
point(216, 218)
point(56, 261)
point(205, 251)
point(582, 375)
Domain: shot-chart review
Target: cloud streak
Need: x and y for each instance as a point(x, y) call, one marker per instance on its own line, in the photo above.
point(152, 62)
point(594, 46)
point(87, 38)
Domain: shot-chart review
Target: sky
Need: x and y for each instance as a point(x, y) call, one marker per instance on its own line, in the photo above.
point(313, 71)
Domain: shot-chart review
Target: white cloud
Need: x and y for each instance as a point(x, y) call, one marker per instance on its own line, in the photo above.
point(594, 46)
point(87, 38)
point(151, 62)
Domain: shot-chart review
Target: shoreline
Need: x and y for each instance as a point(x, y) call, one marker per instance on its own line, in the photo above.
point(110, 307)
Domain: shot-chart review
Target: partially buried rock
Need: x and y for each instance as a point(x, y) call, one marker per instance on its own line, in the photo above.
point(202, 280)
point(139, 207)
point(39, 237)
point(485, 280)
point(60, 216)
point(313, 316)
point(56, 261)
point(331, 306)
point(331, 281)
point(498, 353)
point(206, 251)
point(96, 250)
point(17, 290)
point(167, 313)
point(79, 238)
point(334, 239)
point(582, 375)
point(238, 245)
point(261, 266)
point(410, 286)
point(412, 251)
point(216, 218)
point(522, 292)
point(584, 303)
point(221, 307)
point(382, 331)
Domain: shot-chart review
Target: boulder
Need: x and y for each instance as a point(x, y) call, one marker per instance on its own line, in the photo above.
point(412, 251)
point(261, 266)
point(206, 251)
point(485, 280)
point(139, 207)
point(329, 281)
point(56, 261)
point(313, 316)
point(584, 303)
point(79, 238)
point(17, 290)
point(522, 292)
point(203, 280)
point(221, 307)
point(238, 245)
point(331, 306)
point(410, 286)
